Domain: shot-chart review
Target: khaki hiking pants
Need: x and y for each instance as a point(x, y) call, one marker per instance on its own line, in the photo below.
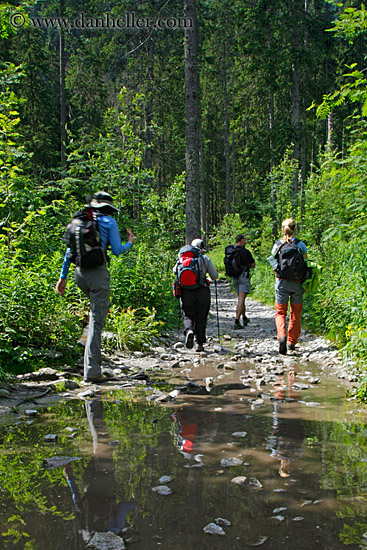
point(95, 283)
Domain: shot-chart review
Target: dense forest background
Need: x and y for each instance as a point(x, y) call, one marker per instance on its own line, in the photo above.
point(235, 115)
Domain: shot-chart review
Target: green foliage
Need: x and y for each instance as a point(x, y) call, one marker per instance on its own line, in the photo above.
point(216, 255)
point(113, 162)
point(143, 278)
point(163, 217)
point(32, 315)
point(230, 227)
point(282, 177)
point(133, 329)
point(354, 91)
point(262, 282)
point(351, 23)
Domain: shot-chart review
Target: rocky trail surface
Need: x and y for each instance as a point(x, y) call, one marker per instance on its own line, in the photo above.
point(256, 345)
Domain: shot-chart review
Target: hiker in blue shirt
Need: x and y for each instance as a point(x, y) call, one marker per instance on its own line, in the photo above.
point(95, 282)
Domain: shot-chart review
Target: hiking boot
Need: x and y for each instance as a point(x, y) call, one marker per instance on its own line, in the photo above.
point(292, 347)
point(96, 379)
point(189, 339)
point(283, 345)
point(200, 347)
point(246, 320)
point(238, 326)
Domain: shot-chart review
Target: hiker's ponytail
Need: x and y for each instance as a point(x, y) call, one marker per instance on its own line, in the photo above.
point(289, 227)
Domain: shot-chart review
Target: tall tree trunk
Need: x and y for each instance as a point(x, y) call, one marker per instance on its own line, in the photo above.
point(271, 146)
point(233, 173)
point(303, 146)
point(295, 97)
point(149, 106)
point(303, 163)
point(192, 126)
point(62, 91)
point(295, 125)
point(226, 133)
point(203, 190)
point(329, 138)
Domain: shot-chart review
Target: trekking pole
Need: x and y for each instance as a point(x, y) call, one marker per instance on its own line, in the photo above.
point(216, 302)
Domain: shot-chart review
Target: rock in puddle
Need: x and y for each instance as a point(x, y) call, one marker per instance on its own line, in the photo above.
point(213, 529)
point(222, 521)
point(58, 461)
point(239, 434)
point(162, 490)
point(165, 479)
point(105, 541)
point(239, 480)
point(31, 412)
point(233, 461)
point(278, 510)
point(259, 542)
point(254, 482)
point(50, 438)
point(278, 518)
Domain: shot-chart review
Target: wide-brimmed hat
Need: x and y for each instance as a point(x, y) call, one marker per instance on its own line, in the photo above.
point(101, 199)
point(199, 243)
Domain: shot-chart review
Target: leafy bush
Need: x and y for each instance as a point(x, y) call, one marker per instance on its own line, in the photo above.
point(228, 230)
point(262, 282)
point(133, 329)
point(32, 316)
point(143, 278)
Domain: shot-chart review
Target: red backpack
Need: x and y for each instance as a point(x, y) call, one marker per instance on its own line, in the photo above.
point(189, 274)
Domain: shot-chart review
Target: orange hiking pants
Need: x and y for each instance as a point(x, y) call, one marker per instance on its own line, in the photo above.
point(285, 290)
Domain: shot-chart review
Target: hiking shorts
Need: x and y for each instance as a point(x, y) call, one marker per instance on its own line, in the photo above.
point(242, 283)
point(285, 289)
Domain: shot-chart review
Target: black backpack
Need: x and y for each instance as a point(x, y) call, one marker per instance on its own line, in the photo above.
point(189, 274)
point(232, 261)
point(291, 264)
point(83, 239)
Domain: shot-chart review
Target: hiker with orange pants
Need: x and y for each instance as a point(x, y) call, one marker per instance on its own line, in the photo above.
point(290, 268)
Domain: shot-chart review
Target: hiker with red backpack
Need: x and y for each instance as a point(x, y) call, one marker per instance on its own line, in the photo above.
point(288, 260)
point(191, 269)
point(238, 261)
point(88, 237)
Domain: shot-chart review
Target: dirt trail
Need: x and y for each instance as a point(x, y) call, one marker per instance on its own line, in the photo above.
point(256, 344)
point(259, 337)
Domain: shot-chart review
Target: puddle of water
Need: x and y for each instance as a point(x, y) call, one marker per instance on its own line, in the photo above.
point(303, 453)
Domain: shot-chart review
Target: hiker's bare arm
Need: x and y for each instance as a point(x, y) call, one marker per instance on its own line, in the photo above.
point(130, 236)
point(61, 286)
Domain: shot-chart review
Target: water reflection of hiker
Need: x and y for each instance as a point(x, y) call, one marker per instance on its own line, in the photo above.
point(190, 436)
point(286, 441)
point(99, 508)
point(191, 269)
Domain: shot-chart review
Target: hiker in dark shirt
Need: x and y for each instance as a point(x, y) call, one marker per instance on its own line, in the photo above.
point(242, 282)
